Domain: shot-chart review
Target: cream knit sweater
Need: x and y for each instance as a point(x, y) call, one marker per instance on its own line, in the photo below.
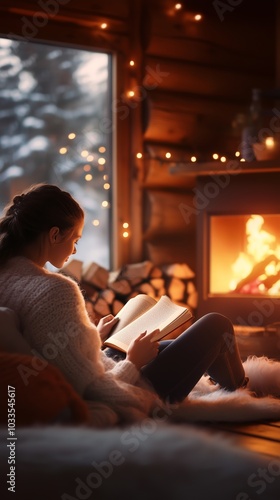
point(55, 322)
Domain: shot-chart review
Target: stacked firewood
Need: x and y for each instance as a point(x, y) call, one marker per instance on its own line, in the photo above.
point(106, 292)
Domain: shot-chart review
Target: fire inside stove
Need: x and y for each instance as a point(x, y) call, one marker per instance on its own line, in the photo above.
point(245, 254)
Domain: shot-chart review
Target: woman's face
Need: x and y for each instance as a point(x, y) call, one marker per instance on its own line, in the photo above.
point(64, 244)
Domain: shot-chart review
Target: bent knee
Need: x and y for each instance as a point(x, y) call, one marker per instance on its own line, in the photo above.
point(218, 323)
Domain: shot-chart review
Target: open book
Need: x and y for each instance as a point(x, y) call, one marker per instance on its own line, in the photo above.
point(143, 313)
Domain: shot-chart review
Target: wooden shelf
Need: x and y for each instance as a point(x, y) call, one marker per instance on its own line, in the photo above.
point(231, 167)
point(172, 175)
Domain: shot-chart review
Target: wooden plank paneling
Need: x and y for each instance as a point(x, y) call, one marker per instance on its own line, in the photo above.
point(207, 52)
point(159, 175)
point(163, 215)
point(245, 30)
point(202, 74)
point(64, 30)
point(187, 119)
point(76, 23)
point(193, 103)
point(179, 76)
point(171, 127)
point(196, 132)
point(81, 9)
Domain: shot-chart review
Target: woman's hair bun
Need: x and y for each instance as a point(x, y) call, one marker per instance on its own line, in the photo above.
point(17, 200)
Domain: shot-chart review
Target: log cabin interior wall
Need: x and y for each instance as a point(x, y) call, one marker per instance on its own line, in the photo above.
point(192, 82)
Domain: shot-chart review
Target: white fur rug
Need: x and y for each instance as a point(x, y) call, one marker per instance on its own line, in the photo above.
point(208, 403)
point(148, 460)
point(259, 401)
point(154, 458)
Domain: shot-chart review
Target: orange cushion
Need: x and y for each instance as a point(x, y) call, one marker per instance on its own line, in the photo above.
point(41, 393)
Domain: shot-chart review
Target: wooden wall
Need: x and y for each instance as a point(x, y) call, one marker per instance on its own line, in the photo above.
point(209, 69)
point(192, 82)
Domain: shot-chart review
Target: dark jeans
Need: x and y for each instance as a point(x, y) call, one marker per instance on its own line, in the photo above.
point(207, 346)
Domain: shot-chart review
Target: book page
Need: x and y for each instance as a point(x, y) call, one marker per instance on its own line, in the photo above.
point(164, 315)
point(168, 316)
point(134, 308)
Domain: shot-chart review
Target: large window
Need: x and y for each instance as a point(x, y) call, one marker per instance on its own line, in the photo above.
point(54, 116)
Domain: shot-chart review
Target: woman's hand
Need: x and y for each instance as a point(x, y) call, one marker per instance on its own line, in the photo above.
point(105, 325)
point(142, 349)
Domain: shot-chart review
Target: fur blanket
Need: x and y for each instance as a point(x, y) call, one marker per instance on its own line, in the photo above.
point(147, 460)
point(155, 457)
point(260, 400)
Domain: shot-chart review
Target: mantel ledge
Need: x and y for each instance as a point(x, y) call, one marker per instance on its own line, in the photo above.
point(231, 167)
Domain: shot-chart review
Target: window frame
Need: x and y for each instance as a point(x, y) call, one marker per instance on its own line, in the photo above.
point(56, 32)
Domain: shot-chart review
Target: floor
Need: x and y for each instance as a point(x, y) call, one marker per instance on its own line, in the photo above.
point(261, 438)
point(264, 437)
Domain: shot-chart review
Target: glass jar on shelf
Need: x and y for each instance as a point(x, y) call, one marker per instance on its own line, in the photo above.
point(250, 133)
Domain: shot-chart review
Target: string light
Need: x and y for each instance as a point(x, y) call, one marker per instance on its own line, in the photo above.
point(87, 168)
point(71, 136)
point(269, 142)
point(125, 225)
point(101, 161)
point(88, 177)
point(106, 185)
point(139, 155)
point(215, 156)
point(105, 204)
point(95, 222)
point(193, 159)
point(131, 93)
point(178, 6)
point(103, 26)
point(84, 153)
point(131, 63)
point(90, 158)
point(198, 17)
point(63, 151)
point(102, 149)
